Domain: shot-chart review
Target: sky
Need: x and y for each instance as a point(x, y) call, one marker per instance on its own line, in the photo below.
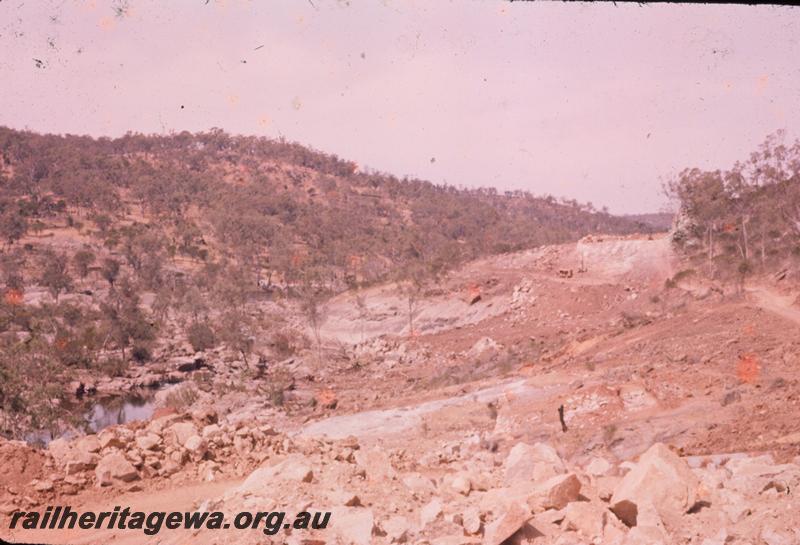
point(590, 101)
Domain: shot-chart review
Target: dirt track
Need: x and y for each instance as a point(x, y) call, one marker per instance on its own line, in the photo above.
point(782, 305)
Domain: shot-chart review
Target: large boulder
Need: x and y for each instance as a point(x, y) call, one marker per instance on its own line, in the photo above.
point(418, 484)
point(555, 493)
point(661, 480)
point(180, 432)
point(61, 450)
point(196, 447)
point(515, 519)
point(211, 432)
point(460, 483)
point(80, 461)
point(537, 462)
point(430, 512)
point(598, 467)
point(293, 469)
point(160, 423)
point(646, 535)
point(376, 464)
point(109, 438)
point(353, 525)
point(115, 467)
point(586, 518)
point(751, 476)
point(75, 456)
point(397, 529)
point(148, 441)
point(88, 443)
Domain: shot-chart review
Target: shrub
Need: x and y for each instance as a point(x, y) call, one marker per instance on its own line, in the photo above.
point(140, 353)
point(284, 344)
point(684, 274)
point(113, 367)
point(182, 397)
point(201, 336)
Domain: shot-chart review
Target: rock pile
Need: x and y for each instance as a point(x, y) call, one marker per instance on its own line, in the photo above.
point(530, 496)
point(181, 447)
point(469, 493)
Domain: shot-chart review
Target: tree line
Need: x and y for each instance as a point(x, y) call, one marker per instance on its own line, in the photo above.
point(746, 219)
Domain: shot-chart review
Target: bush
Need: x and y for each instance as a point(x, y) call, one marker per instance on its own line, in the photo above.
point(141, 354)
point(70, 351)
point(113, 367)
point(744, 267)
point(284, 343)
point(276, 396)
point(182, 397)
point(201, 336)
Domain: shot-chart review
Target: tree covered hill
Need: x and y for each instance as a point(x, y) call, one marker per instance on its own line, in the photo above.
point(276, 206)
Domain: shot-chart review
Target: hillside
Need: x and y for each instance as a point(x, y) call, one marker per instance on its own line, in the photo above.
point(137, 249)
point(276, 206)
point(660, 221)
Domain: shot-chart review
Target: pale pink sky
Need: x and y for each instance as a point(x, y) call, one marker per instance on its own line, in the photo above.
point(551, 97)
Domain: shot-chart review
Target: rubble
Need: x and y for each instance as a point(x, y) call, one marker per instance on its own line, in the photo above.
point(529, 495)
